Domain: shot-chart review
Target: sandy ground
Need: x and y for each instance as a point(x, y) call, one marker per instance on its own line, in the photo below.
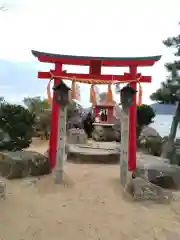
point(90, 205)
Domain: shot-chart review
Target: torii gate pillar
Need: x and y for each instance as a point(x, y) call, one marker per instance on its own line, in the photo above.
point(132, 124)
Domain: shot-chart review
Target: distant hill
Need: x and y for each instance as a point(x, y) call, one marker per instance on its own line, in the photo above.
point(163, 109)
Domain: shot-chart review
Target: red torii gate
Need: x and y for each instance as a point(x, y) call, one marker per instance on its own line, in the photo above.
point(95, 64)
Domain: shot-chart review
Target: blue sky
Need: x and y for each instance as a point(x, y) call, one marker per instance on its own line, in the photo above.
point(82, 27)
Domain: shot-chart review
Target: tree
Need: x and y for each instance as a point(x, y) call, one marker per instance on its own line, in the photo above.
point(36, 105)
point(17, 122)
point(72, 109)
point(169, 92)
point(42, 110)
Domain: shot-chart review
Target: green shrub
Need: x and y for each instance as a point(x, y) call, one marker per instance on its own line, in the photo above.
point(145, 116)
point(18, 123)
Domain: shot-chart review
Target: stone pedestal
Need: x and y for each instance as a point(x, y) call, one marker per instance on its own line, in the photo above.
point(77, 136)
point(104, 132)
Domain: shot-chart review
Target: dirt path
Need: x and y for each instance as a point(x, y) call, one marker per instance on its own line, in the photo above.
point(89, 206)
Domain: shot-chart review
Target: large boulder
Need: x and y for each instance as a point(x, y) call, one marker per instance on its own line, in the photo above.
point(149, 132)
point(75, 122)
point(106, 133)
point(158, 171)
point(21, 164)
point(150, 141)
point(143, 190)
point(2, 190)
point(152, 145)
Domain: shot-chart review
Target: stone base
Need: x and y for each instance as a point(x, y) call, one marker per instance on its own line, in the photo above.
point(105, 133)
point(94, 153)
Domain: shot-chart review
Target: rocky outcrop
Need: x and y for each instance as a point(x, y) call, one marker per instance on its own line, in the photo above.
point(22, 164)
point(106, 133)
point(150, 141)
point(149, 132)
point(143, 190)
point(152, 145)
point(75, 122)
point(158, 171)
point(2, 190)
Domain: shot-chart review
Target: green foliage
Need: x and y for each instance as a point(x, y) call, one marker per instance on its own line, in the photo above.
point(42, 110)
point(36, 105)
point(43, 122)
point(18, 123)
point(169, 92)
point(145, 116)
point(71, 109)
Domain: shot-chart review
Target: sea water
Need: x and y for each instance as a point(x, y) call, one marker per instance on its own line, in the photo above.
point(162, 124)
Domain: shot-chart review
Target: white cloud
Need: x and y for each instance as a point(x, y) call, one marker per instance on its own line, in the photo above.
point(91, 27)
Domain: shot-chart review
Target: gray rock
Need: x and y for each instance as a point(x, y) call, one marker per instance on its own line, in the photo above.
point(98, 134)
point(22, 164)
point(142, 190)
point(106, 133)
point(159, 172)
point(151, 144)
point(150, 141)
point(75, 121)
point(2, 190)
point(149, 132)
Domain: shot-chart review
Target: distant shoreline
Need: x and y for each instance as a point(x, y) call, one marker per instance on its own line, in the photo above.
point(164, 109)
point(162, 124)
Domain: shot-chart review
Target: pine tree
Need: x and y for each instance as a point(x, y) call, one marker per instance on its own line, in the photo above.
point(169, 92)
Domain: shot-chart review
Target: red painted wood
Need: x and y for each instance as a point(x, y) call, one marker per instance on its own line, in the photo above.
point(95, 68)
point(107, 77)
point(86, 62)
point(128, 75)
point(54, 122)
point(132, 125)
point(110, 114)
